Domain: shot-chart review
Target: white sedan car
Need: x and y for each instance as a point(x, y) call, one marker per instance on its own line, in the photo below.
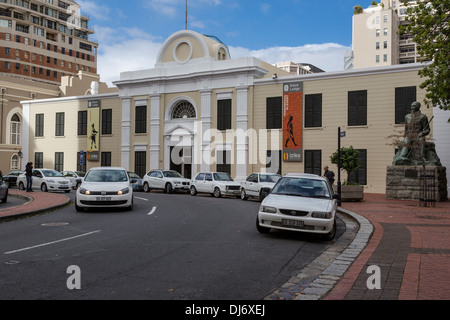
point(300, 202)
point(167, 180)
point(105, 187)
point(75, 178)
point(45, 180)
point(214, 183)
point(258, 185)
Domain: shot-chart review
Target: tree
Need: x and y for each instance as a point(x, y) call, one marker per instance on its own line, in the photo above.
point(429, 25)
point(349, 159)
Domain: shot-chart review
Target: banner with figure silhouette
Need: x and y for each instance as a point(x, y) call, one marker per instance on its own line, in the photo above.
point(93, 127)
point(293, 122)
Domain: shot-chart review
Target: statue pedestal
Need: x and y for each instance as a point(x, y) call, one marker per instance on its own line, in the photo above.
point(404, 183)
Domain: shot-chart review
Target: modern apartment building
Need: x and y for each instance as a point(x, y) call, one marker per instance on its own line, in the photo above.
point(376, 41)
point(45, 40)
point(45, 52)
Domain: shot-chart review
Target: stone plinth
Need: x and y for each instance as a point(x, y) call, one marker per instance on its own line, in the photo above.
point(403, 182)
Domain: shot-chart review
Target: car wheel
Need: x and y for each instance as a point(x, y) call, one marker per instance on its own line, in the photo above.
point(146, 187)
point(193, 191)
point(217, 193)
point(6, 197)
point(169, 188)
point(21, 186)
point(330, 236)
point(44, 188)
point(77, 208)
point(243, 194)
point(260, 228)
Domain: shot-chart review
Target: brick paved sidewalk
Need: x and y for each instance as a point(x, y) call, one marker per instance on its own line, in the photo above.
point(36, 202)
point(410, 245)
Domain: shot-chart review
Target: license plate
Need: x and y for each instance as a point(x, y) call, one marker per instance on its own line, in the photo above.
point(103, 198)
point(292, 223)
point(63, 186)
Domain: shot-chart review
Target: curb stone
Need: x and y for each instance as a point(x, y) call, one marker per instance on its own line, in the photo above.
point(323, 273)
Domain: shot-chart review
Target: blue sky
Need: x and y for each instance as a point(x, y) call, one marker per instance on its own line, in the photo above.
point(317, 32)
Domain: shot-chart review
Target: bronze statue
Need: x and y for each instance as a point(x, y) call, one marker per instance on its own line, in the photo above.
point(414, 150)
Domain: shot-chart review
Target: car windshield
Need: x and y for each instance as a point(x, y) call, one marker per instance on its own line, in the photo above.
point(106, 176)
point(172, 174)
point(51, 173)
point(133, 175)
point(80, 173)
point(220, 176)
point(301, 187)
point(269, 177)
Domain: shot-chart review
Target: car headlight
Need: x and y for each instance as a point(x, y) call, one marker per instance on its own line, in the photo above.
point(177, 182)
point(84, 191)
point(321, 215)
point(268, 209)
point(51, 180)
point(123, 191)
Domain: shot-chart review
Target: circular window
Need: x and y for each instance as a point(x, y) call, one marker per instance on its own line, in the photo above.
point(183, 110)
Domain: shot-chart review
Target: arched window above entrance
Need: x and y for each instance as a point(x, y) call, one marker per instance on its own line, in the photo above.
point(183, 110)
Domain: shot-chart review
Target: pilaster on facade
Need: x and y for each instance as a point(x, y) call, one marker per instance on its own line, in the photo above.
point(205, 134)
point(155, 129)
point(241, 137)
point(126, 133)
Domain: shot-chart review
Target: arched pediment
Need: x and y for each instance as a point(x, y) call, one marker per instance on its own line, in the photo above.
point(185, 46)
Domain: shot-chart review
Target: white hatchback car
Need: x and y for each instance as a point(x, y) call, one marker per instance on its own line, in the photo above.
point(258, 185)
point(105, 187)
point(167, 180)
point(300, 202)
point(45, 180)
point(214, 183)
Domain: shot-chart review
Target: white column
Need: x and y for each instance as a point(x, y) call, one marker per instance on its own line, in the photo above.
point(126, 133)
point(241, 129)
point(155, 127)
point(205, 135)
point(25, 136)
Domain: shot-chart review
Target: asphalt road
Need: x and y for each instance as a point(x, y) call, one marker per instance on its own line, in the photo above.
point(170, 247)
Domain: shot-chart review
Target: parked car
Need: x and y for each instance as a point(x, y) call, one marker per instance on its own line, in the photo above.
point(3, 191)
point(258, 185)
point(11, 178)
point(137, 181)
point(45, 180)
point(299, 202)
point(75, 177)
point(105, 187)
point(167, 180)
point(214, 183)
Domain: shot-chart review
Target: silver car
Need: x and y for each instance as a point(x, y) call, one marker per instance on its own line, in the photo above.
point(300, 202)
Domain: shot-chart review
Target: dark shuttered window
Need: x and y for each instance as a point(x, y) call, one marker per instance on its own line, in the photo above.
point(313, 161)
point(404, 97)
point(357, 108)
point(224, 114)
point(274, 110)
point(313, 110)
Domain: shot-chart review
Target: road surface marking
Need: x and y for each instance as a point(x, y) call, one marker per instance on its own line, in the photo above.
point(152, 212)
point(53, 242)
point(141, 198)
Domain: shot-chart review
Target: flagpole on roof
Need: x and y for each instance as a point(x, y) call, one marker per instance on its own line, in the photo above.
point(186, 17)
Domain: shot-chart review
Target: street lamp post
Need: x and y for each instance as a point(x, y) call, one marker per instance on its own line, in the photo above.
point(341, 134)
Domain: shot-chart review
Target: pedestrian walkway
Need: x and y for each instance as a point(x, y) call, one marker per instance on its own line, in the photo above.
point(35, 202)
point(411, 247)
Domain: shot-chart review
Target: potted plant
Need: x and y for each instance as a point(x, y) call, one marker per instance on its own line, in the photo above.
point(349, 163)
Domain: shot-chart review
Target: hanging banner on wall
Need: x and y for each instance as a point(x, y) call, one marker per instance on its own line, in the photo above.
point(293, 122)
point(93, 137)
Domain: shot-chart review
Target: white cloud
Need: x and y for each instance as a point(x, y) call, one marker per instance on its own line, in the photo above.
point(138, 50)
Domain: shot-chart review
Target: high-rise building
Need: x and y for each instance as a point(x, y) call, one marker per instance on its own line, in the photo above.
point(45, 40)
point(45, 53)
point(376, 38)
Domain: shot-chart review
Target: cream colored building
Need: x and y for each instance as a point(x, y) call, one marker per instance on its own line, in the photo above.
point(198, 110)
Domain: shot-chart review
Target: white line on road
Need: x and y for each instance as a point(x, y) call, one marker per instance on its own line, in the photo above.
point(53, 242)
point(152, 212)
point(141, 198)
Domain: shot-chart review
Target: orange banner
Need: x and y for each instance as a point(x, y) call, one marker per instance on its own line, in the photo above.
point(293, 122)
